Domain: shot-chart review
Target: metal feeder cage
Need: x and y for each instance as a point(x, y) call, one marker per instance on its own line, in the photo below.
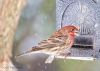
point(85, 14)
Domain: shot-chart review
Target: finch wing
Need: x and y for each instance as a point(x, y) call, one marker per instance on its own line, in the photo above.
point(50, 43)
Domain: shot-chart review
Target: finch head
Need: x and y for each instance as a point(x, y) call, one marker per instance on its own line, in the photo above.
point(72, 30)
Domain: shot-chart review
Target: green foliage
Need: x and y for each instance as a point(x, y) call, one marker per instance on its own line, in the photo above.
point(76, 65)
point(49, 8)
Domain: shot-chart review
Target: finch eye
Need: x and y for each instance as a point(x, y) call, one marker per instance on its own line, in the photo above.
point(72, 30)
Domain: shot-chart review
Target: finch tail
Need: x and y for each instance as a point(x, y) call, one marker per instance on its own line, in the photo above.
point(50, 59)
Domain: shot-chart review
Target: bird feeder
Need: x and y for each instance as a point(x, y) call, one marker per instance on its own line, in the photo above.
point(85, 14)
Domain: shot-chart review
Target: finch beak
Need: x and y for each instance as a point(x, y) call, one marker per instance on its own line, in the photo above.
point(76, 33)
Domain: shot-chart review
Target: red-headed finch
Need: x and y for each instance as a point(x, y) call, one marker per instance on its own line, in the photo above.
point(58, 43)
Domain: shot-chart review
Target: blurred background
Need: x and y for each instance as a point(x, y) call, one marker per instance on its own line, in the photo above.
point(38, 22)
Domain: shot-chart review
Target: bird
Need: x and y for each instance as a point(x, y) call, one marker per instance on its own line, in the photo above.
point(59, 43)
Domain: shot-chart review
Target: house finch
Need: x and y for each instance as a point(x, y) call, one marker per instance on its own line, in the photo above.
point(58, 42)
